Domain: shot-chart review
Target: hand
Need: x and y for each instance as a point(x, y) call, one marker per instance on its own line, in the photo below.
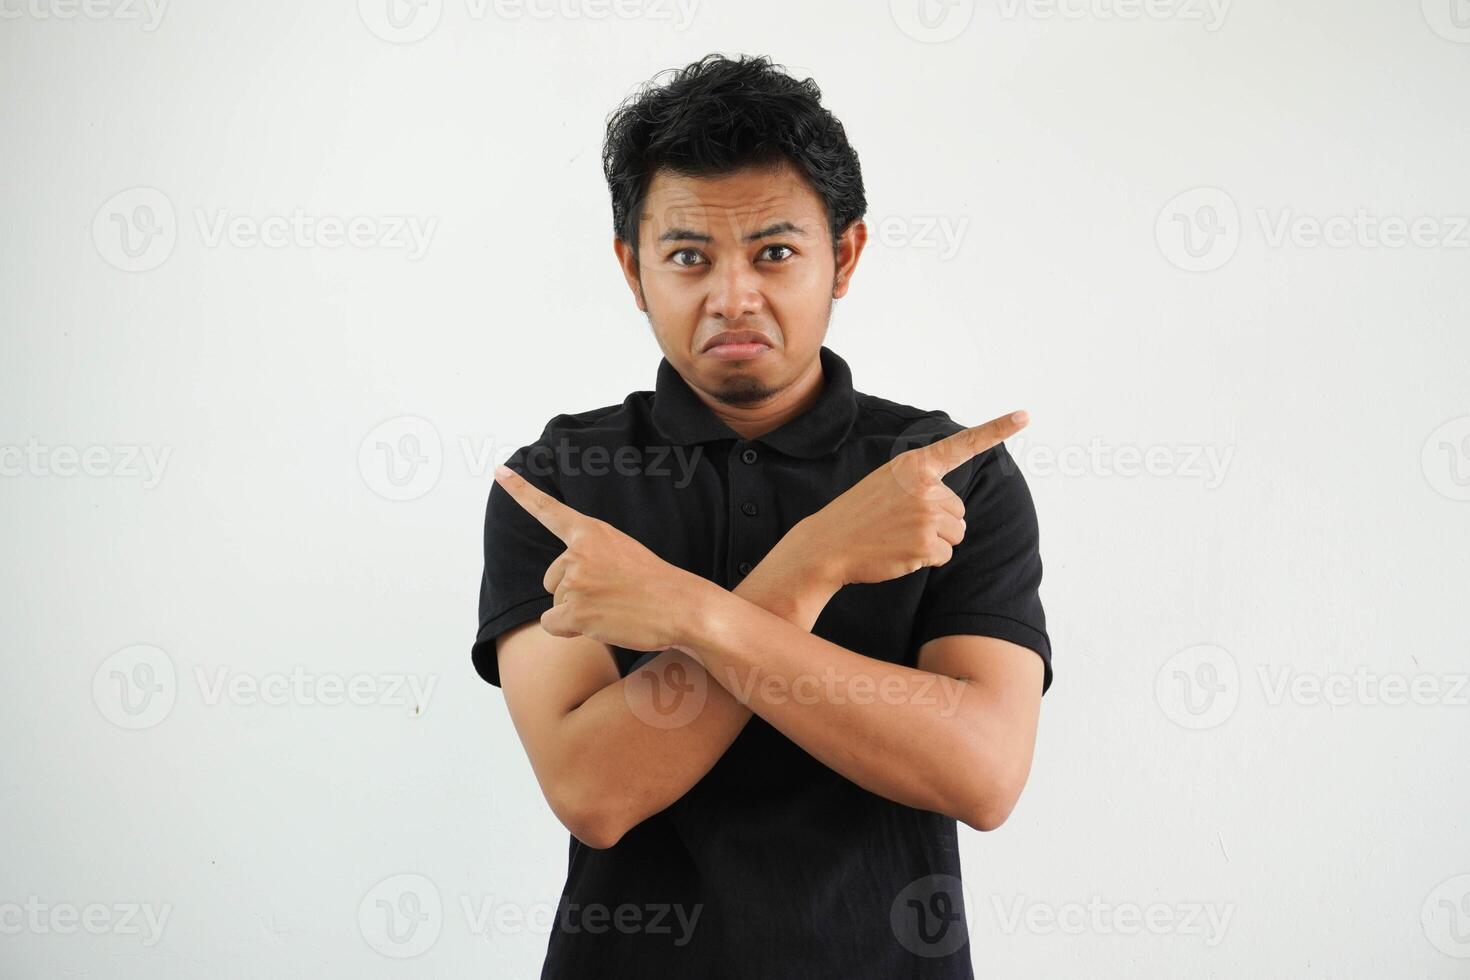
point(902, 516)
point(606, 585)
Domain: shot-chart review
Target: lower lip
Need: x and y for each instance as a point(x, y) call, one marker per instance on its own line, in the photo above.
point(737, 352)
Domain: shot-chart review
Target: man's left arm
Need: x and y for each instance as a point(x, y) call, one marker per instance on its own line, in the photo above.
point(954, 735)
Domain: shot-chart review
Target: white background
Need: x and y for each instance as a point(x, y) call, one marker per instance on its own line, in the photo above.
point(1174, 778)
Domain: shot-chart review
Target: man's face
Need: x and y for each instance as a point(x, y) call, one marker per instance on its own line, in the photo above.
point(746, 252)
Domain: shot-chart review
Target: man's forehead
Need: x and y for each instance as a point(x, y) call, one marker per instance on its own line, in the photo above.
point(733, 205)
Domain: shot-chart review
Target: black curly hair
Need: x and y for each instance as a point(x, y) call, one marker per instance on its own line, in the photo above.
point(717, 116)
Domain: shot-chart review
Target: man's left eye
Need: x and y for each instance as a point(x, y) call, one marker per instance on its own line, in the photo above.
point(786, 248)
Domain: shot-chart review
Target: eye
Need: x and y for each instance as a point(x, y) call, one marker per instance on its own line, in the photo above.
point(687, 252)
point(789, 250)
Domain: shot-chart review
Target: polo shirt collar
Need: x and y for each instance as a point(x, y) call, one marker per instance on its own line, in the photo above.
point(684, 419)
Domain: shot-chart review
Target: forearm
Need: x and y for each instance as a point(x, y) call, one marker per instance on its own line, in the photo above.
point(908, 735)
point(634, 756)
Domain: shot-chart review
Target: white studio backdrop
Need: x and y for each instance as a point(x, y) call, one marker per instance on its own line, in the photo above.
point(280, 283)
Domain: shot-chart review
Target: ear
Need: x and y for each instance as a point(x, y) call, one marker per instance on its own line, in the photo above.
point(628, 262)
point(849, 247)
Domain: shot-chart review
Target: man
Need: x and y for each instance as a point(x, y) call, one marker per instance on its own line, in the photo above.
point(765, 638)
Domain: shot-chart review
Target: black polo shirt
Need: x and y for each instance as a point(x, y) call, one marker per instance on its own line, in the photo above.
point(772, 865)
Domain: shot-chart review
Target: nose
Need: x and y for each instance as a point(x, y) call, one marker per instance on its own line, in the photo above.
point(734, 290)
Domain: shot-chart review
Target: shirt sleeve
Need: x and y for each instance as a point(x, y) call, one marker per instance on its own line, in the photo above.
point(518, 550)
point(990, 586)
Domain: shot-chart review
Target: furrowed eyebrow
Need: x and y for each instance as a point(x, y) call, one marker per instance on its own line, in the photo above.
point(686, 235)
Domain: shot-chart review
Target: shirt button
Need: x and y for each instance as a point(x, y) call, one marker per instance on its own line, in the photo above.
point(745, 568)
point(748, 509)
point(749, 455)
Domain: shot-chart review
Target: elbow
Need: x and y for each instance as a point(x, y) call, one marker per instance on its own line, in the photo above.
point(993, 803)
point(598, 834)
point(590, 821)
point(989, 815)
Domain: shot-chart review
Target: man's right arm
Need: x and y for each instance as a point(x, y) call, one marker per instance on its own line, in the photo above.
point(602, 763)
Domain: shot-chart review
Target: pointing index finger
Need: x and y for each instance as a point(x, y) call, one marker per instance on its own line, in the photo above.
point(954, 450)
point(554, 515)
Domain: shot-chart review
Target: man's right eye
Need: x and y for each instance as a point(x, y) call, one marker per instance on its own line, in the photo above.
point(692, 253)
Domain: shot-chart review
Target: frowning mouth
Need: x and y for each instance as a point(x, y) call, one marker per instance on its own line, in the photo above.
point(737, 338)
point(737, 345)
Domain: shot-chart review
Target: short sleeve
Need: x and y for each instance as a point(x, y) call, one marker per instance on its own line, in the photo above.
point(991, 584)
point(518, 550)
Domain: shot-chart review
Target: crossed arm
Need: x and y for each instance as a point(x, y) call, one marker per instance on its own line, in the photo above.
point(954, 735)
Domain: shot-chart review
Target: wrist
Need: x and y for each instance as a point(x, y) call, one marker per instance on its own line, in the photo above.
point(819, 568)
point(698, 608)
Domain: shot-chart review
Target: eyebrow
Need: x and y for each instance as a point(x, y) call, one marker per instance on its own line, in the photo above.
point(686, 235)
